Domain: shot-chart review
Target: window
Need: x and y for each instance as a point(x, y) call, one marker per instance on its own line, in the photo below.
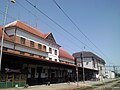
point(93, 62)
point(44, 48)
point(55, 59)
point(31, 44)
point(22, 52)
point(4, 48)
point(55, 52)
point(100, 67)
point(87, 63)
point(50, 50)
point(39, 46)
point(31, 54)
point(50, 59)
point(44, 57)
point(22, 40)
point(40, 56)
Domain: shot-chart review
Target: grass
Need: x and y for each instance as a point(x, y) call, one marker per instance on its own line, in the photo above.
point(100, 84)
point(96, 85)
point(85, 88)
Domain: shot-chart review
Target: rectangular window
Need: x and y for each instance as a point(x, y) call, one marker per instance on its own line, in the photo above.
point(93, 62)
point(22, 40)
point(50, 50)
point(22, 52)
point(50, 59)
point(39, 46)
point(55, 52)
point(44, 57)
point(55, 59)
point(40, 56)
point(4, 48)
point(31, 54)
point(44, 48)
point(31, 44)
point(100, 67)
point(87, 63)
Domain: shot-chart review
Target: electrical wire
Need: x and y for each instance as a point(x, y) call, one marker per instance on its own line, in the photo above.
point(78, 27)
point(45, 23)
point(58, 24)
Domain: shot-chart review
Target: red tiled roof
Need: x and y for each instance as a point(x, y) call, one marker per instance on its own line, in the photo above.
point(65, 54)
point(46, 34)
point(27, 27)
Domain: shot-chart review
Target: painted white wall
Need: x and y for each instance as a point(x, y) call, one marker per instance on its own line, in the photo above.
point(101, 68)
point(110, 74)
point(31, 37)
point(30, 50)
point(87, 63)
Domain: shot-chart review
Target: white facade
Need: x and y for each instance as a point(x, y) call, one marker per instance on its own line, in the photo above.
point(87, 63)
point(29, 36)
point(109, 74)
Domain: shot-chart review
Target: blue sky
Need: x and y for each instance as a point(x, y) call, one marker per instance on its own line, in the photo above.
point(98, 19)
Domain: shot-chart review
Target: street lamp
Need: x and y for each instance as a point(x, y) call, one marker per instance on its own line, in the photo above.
point(3, 30)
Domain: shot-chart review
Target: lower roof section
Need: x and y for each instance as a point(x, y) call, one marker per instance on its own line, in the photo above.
point(38, 59)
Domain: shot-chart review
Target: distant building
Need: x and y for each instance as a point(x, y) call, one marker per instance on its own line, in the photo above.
point(89, 60)
point(109, 74)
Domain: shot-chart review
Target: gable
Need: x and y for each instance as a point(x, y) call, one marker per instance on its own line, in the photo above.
point(50, 38)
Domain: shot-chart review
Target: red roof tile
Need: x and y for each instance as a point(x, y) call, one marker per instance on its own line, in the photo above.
point(46, 34)
point(65, 54)
point(27, 27)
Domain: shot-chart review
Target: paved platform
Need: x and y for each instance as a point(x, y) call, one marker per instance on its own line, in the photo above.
point(60, 86)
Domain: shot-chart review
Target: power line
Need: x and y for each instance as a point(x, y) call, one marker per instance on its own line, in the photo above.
point(42, 21)
point(77, 27)
point(57, 24)
point(2, 13)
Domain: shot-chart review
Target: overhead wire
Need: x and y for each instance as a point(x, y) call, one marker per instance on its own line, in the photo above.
point(57, 24)
point(78, 28)
point(50, 19)
point(42, 21)
point(2, 13)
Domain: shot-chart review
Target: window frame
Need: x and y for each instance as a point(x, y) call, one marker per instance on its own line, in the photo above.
point(22, 40)
point(50, 50)
point(31, 44)
point(44, 48)
point(55, 52)
point(39, 46)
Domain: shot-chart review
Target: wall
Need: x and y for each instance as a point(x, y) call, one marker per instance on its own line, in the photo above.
point(65, 60)
point(30, 37)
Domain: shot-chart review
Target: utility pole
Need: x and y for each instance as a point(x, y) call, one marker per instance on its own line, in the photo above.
point(77, 72)
point(82, 59)
point(3, 31)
